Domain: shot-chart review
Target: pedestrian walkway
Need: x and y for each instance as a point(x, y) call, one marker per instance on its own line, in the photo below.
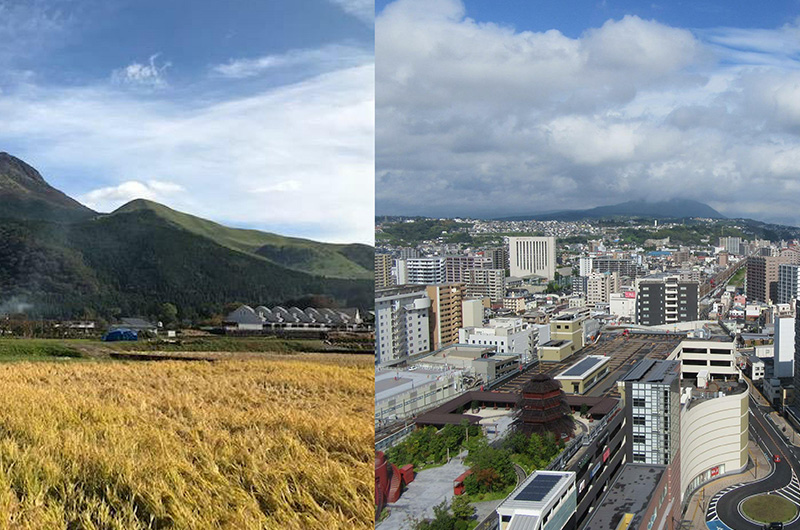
point(704, 499)
point(784, 427)
point(430, 488)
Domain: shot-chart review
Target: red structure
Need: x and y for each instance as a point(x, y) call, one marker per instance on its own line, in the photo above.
point(458, 483)
point(543, 407)
point(389, 481)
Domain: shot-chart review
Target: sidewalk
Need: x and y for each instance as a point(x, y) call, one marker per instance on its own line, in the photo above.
point(781, 423)
point(696, 510)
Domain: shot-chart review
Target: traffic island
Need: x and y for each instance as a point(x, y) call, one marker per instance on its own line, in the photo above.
point(769, 509)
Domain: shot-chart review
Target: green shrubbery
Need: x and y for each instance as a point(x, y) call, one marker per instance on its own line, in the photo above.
point(427, 446)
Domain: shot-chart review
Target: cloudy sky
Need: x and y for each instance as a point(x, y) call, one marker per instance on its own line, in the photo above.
point(502, 108)
point(253, 114)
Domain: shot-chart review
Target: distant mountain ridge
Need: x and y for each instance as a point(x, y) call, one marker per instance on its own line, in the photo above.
point(672, 208)
point(65, 260)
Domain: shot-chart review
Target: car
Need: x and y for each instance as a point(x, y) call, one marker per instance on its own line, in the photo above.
point(776, 458)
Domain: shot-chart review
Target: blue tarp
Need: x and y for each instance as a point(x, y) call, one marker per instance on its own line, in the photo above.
point(120, 334)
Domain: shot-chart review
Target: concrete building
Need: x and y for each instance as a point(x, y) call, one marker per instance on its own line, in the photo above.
point(566, 337)
point(446, 317)
point(731, 244)
point(499, 257)
point(755, 368)
point(715, 359)
point(788, 283)
point(784, 346)
point(585, 264)
point(383, 271)
point(532, 256)
point(457, 267)
point(402, 321)
point(652, 407)
point(762, 276)
point(665, 299)
point(624, 267)
point(584, 374)
point(714, 432)
point(514, 303)
point(401, 394)
point(472, 313)
point(599, 286)
point(623, 305)
point(488, 283)
point(425, 271)
point(506, 335)
point(546, 500)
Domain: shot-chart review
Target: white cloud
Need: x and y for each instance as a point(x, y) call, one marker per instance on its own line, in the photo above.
point(479, 118)
point(361, 9)
point(283, 186)
point(112, 197)
point(149, 75)
point(318, 133)
point(335, 56)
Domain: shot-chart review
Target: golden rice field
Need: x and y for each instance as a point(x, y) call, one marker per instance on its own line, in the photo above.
point(285, 442)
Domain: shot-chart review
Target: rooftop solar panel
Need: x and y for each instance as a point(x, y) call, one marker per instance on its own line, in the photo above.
point(661, 370)
point(582, 366)
point(639, 370)
point(538, 488)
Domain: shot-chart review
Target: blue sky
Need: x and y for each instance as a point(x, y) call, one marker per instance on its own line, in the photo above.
point(251, 113)
point(514, 107)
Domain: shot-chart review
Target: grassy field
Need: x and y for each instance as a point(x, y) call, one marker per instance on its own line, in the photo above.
point(769, 509)
point(283, 442)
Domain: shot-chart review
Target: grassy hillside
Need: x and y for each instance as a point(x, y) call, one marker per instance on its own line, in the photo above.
point(275, 443)
point(323, 259)
point(131, 263)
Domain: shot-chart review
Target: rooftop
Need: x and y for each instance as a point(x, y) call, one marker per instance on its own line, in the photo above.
point(653, 371)
point(555, 343)
point(537, 491)
point(629, 494)
point(714, 390)
point(584, 367)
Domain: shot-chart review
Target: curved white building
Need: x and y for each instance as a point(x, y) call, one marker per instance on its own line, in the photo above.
point(714, 433)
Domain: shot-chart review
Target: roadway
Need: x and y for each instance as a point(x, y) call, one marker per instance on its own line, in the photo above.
point(782, 480)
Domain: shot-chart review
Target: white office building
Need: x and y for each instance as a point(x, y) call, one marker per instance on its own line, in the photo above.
point(506, 335)
point(784, 346)
point(402, 319)
point(532, 256)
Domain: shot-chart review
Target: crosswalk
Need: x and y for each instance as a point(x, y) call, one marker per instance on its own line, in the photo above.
point(791, 492)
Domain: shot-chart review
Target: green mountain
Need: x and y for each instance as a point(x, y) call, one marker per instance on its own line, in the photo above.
point(74, 262)
point(672, 208)
point(323, 259)
point(24, 194)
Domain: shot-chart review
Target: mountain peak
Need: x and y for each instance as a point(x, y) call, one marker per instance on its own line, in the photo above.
point(25, 194)
point(15, 169)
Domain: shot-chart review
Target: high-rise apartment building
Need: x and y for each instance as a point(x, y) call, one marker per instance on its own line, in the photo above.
point(483, 283)
point(599, 286)
point(731, 244)
point(665, 299)
point(446, 318)
point(762, 276)
point(425, 271)
point(499, 257)
point(788, 283)
point(532, 256)
point(457, 267)
point(383, 271)
point(652, 411)
point(585, 264)
point(402, 322)
point(622, 266)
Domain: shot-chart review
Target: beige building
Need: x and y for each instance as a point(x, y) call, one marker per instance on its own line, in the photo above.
point(584, 374)
point(514, 303)
point(446, 316)
point(599, 286)
point(472, 313)
point(383, 271)
point(566, 337)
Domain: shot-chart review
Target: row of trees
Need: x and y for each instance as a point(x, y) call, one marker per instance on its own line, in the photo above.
point(427, 446)
point(455, 517)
